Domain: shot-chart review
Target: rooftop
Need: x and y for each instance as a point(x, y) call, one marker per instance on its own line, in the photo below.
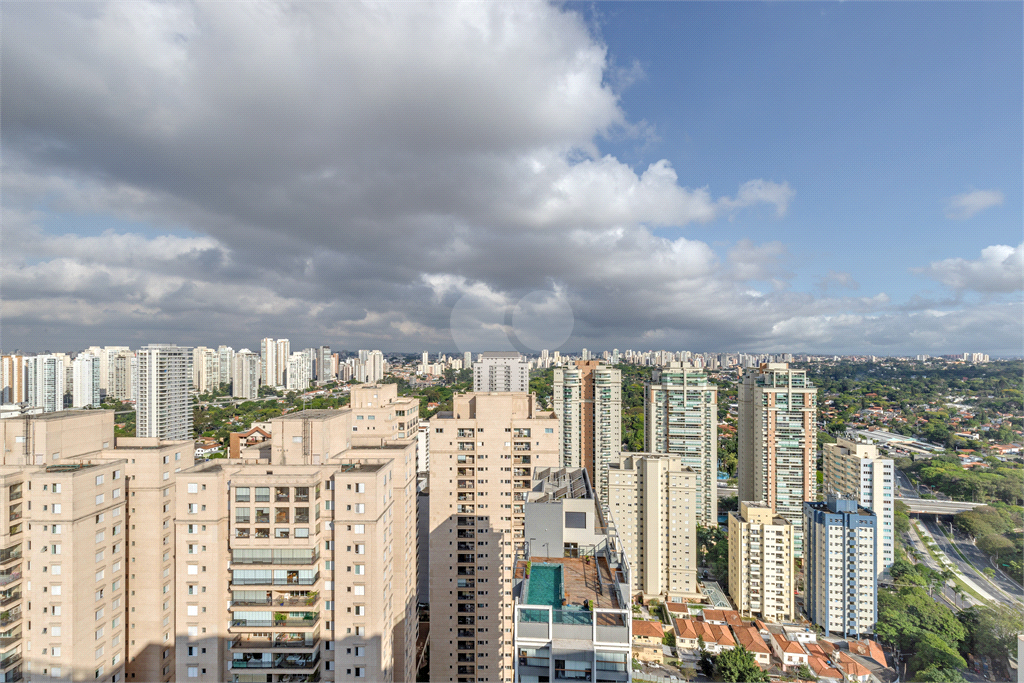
point(555, 484)
point(312, 414)
point(647, 629)
point(581, 580)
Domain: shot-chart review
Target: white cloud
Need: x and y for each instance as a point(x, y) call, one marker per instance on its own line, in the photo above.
point(1000, 269)
point(970, 203)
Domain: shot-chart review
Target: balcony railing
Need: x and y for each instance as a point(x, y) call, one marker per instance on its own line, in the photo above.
point(9, 577)
point(268, 581)
point(10, 661)
point(268, 623)
point(308, 601)
point(283, 661)
point(243, 643)
point(239, 558)
point(10, 616)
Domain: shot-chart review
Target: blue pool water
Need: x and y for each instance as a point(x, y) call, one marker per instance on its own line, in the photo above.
point(545, 585)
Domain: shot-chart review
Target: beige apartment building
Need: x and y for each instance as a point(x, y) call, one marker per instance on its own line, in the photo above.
point(482, 457)
point(854, 469)
point(653, 499)
point(777, 442)
point(761, 567)
point(149, 568)
point(681, 417)
point(587, 397)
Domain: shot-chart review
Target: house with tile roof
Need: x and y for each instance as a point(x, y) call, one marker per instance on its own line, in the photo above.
point(647, 637)
point(750, 638)
point(851, 667)
point(722, 617)
point(821, 668)
point(791, 653)
point(716, 637)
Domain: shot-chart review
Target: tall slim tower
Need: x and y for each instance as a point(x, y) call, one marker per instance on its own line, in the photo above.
point(44, 383)
point(268, 361)
point(245, 377)
point(587, 397)
point(777, 441)
point(164, 407)
point(85, 390)
point(477, 527)
point(681, 416)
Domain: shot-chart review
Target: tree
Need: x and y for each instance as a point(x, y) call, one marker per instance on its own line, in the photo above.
point(991, 630)
point(707, 662)
point(804, 673)
point(932, 650)
point(739, 665)
point(938, 674)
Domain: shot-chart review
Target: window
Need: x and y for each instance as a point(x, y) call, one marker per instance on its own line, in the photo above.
point(301, 532)
point(360, 488)
point(242, 494)
point(281, 532)
point(55, 570)
point(241, 515)
point(360, 508)
point(193, 488)
point(54, 529)
point(99, 480)
point(358, 529)
point(192, 610)
point(116, 475)
point(55, 508)
point(262, 494)
point(360, 672)
point(193, 508)
point(360, 569)
point(193, 651)
point(360, 610)
point(359, 590)
point(193, 671)
point(193, 528)
point(360, 548)
point(99, 537)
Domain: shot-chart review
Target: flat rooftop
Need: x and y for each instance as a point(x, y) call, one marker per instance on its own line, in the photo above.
point(581, 580)
point(312, 414)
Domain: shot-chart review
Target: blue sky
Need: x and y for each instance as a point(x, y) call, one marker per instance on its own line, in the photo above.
point(722, 176)
point(875, 113)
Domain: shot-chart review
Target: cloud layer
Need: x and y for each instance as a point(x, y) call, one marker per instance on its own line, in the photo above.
point(353, 173)
point(965, 205)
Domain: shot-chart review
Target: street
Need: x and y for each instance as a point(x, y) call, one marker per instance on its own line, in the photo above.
point(1001, 587)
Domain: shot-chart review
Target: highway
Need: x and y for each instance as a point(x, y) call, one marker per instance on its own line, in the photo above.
point(937, 507)
point(1001, 587)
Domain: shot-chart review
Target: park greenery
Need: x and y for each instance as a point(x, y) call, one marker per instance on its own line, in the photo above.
point(738, 664)
point(1000, 481)
point(713, 552)
point(997, 530)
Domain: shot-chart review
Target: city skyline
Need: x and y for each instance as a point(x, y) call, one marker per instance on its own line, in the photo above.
point(812, 178)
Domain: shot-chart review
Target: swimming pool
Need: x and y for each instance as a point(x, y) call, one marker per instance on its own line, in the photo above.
point(545, 587)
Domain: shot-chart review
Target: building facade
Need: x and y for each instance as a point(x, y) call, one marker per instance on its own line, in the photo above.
point(245, 376)
point(482, 457)
point(587, 397)
point(44, 382)
point(761, 567)
point(778, 441)
point(501, 371)
point(163, 409)
point(85, 390)
point(653, 500)
point(840, 576)
point(681, 417)
point(855, 470)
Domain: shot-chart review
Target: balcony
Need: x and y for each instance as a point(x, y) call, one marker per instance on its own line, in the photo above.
point(10, 616)
point(520, 446)
point(275, 556)
point(8, 599)
point(308, 622)
point(10, 660)
point(465, 508)
point(10, 554)
point(521, 460)
point(291, 579)
point(9, 577)
point(282, 661)
point(307, 601)
point(465, 459)
point(289, 640)
point(466, 497)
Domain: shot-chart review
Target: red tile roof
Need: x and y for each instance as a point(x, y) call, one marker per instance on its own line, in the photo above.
point(788, 645)
point(731, 617)
point(750, 638)
point(649, 629)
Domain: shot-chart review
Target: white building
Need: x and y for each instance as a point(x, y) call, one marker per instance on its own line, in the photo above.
point(44, 382)
point(681, 416)
point(225, 358)
point(501, 371)
point(375, 367)
point(299, 376)
point(839, 566)
point(853, 468)
point(245, 376)
point(85, 390)
point(164, 409)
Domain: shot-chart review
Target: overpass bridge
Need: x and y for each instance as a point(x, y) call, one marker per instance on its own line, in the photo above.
point(923, 506)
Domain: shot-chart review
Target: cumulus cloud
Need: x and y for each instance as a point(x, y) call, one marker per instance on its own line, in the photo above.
point(394, 174)
point(1000, 269)
point(838, 280)
point(970, 203)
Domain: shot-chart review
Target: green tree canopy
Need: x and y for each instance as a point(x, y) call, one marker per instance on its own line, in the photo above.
point(739, 665)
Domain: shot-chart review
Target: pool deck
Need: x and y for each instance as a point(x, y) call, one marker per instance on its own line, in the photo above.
point(580, 580)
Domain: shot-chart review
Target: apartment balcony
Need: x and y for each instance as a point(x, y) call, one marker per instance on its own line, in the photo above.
point(467, 485)
point(281, 661)
point(521, 460)
point(8, 599)
point(465, 508)
point(310, 622)
point(288, 640)
point(9, 555)
point(8, 640)
point(9, 577)
point(466, 497)
point(287, 603)
point(10, 660)
point(520, 446)
point(10, 616)
point(290, 579)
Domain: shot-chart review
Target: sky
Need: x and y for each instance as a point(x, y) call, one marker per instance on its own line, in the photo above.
point(834, 178)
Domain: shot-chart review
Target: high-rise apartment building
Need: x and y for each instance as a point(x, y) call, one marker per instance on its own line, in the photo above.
point(163, 409)
point(225, 364)
point(44, 382)
point(245, 377)
point(501, 371)
point(681, 416)
point(840, 576)
point(324, 365)
point(320, 545)
point(653, 500)
point(571, 591)
point(119, 375)
point(375, 367)
point(761, 567)
point(855, 470)
point(587, 397)
point(98, 555)
point(12, 379)
point(482, 458)
point(274, 354)
point(777, 441)
point(205, 370)
point(85, 391)
point(299, 374)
